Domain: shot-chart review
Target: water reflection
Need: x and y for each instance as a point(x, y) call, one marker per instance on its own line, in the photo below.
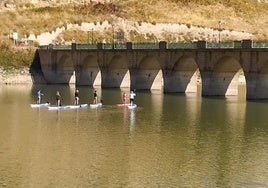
point(255, 144)
point(157, 106)
point(167, 141)
point(132, 119)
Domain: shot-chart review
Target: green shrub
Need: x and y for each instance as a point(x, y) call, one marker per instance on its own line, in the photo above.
point(16, 57)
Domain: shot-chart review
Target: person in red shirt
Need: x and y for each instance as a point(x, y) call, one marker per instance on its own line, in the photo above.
point(124, 98)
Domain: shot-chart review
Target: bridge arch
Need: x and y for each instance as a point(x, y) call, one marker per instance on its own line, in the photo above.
point(117, 74)
point(183, 77)
point(63, 69)
point(88, 71)
point(149, 62)
point(225, 77)
point(148, 75)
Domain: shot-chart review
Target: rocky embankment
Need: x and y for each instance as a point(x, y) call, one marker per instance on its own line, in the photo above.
point(15, 76)
point(179, 32)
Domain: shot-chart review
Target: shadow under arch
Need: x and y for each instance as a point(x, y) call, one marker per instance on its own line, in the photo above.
point(183, 77)
point(116, 75)
point(257, 81)
point(225, 77)
point(88, 72)
point(148, 75)
point(36, 72)
point(264, 67)
point(64, 69)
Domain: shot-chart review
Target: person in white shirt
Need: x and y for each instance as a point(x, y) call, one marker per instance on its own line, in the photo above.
point(131, 97)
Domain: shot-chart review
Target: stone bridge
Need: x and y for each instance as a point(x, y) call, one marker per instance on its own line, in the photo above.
point(219, 69)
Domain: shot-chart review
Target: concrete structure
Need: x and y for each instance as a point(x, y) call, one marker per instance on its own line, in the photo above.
point(171, 69)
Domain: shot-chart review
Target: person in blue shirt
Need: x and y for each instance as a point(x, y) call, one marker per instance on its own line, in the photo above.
point(39, 96)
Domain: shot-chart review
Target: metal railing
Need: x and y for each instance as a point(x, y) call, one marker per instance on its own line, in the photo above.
point(86, 46)
point(145, 45)
point(193, 45)
point(60, 47)
point(220, 45)
point(260, 45)
point(181, 45)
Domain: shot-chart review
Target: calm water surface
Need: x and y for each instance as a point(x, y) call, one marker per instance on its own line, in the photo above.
point(168, 141)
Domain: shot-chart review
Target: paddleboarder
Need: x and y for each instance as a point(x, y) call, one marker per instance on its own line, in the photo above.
point(95, 97)
point(76, 97)
point(132, 96)
point(124, 97)
point(39, 96)
point(58, 98)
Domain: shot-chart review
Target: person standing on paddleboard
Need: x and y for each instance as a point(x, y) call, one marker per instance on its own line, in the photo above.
point(95, 97)
point(39, 96)
point(124, 97)
point(76, 97)
point(132, 96)
point(58, 98)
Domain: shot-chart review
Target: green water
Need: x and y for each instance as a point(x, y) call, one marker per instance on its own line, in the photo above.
point(168, 141)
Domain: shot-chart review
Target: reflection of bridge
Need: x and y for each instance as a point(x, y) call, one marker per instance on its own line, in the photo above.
point(173, 67)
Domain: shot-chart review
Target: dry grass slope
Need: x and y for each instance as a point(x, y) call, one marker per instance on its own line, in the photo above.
point(240, 15)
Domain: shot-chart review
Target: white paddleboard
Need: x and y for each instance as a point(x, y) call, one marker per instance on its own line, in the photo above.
point(78, 106)
point(58, 107)
point(40, 105)
point(132, 106)
point(96, 105)
point(67, 107)
point(127, 104)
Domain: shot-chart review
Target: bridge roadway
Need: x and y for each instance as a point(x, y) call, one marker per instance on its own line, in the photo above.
point(217, 68)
